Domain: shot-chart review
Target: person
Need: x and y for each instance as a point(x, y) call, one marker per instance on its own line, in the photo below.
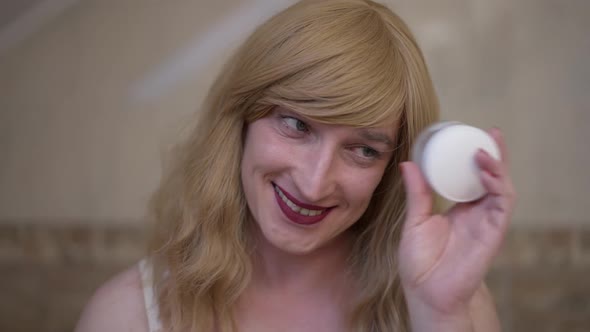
point(292, 205)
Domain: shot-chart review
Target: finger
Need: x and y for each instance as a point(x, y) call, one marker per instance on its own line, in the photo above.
point(418, 193)
point(499, 138)
point(489, 164)
point(492, 184)
point(501, 203)
point(494, 176)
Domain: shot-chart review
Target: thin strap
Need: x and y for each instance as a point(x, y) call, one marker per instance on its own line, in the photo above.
point(151, 305)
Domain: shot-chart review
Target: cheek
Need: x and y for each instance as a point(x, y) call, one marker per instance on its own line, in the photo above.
point(362, 186)
point(256, 147)
point(265, 151)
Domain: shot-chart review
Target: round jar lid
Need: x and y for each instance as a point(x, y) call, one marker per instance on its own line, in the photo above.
point(446, 152)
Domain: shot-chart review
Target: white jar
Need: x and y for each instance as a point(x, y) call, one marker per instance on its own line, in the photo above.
point(445, 152)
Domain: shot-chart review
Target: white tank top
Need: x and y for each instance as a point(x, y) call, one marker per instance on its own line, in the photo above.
point(151, 304)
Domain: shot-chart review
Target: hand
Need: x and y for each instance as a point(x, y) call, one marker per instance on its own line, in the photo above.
point(443, 258)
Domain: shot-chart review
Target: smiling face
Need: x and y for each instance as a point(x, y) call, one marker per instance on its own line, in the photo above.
point(307, 182)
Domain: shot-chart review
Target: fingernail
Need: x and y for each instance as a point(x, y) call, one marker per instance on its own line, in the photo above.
point(482, 151)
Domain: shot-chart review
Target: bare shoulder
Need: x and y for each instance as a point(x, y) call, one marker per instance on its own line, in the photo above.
point(117, 305)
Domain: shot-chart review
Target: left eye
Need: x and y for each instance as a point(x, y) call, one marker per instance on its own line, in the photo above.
point(367, 152)
point(296, 124)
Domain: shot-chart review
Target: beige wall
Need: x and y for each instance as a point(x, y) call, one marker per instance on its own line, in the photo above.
point(79, 143)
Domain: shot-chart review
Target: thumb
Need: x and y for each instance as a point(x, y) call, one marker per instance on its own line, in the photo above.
point(418, 194)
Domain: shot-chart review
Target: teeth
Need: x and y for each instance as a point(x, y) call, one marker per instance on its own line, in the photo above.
point(295, 207)
point(292, 205)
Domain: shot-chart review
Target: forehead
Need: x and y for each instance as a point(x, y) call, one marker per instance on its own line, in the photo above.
point(386, 126)
point(384, 135)
point(384, 132)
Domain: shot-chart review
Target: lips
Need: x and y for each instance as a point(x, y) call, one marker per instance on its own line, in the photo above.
point(298, 212)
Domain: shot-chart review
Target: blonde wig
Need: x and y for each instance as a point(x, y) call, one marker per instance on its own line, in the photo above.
point(350, 62)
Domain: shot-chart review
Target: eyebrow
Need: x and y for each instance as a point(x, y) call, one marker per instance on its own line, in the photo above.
point(377, 137)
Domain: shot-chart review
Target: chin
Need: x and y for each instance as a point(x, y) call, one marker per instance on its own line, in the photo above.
point(290, 243)
point(298, 250)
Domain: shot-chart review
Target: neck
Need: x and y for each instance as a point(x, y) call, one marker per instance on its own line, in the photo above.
point(325, 268)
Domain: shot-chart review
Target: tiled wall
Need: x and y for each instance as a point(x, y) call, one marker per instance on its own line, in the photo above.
point(79, 142)
point(540, 281)
point(48, 273)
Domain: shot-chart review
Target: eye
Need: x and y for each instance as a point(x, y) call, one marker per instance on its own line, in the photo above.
point(295, 124)
point(366, 152)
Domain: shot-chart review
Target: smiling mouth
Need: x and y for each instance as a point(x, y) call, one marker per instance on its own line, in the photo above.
point(296, 208)
point(298, 212)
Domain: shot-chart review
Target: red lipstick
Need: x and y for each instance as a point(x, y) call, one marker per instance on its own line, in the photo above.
point(297, 217)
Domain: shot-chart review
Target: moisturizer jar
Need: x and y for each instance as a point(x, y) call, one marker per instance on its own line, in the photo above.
point(445, 152)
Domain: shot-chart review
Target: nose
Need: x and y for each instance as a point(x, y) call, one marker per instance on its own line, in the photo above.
point(317, 174)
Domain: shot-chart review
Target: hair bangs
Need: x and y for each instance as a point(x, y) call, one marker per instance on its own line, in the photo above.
point(344, 69)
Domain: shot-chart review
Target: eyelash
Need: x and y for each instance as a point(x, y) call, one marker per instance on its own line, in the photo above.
point(286, 119)
point(293, 129)
point(374, 153)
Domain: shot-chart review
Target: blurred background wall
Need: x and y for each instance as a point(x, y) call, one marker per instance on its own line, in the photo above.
point(93, 92)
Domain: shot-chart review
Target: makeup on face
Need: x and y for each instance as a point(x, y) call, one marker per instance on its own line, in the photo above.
point(305, 181)
point(298, 212)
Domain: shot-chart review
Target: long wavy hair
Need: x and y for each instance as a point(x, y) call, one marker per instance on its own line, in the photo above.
point(348, 62)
